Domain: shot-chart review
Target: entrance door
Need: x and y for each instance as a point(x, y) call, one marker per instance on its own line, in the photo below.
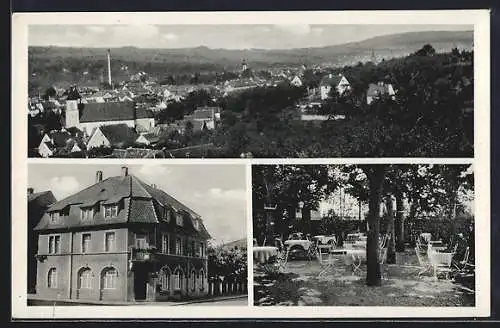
point(140, 280)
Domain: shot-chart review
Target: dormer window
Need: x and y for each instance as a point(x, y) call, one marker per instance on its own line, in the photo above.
point(179, 219)
point(54, 217)
point(87, 214)
point(196, 224)
point(168, 214)
point(110, 210)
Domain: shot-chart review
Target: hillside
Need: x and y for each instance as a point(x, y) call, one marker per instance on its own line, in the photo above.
point(241, 243)
point(55, 64)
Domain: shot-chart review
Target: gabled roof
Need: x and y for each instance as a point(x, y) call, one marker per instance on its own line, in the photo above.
point(59, 138)
point(108, 111)
point(205, 113)
point(142, 112)
point(150, 137)
point(138, 205)
point(42, 199)
point(118, 133)
point(332, 81)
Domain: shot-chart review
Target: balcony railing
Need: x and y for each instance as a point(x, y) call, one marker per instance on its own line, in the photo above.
point(143, 254)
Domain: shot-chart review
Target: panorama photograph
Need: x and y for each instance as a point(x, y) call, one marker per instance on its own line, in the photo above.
point(250, 91)
point(136, 234)
point(364, 235)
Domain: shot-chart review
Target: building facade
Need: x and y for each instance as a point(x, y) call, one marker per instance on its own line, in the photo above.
point(121, 240)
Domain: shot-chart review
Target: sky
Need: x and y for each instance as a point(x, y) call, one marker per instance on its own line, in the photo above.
point(216, 36)
point(216, 192)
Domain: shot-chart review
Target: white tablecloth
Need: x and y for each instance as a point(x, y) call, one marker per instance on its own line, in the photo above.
point(262, 254)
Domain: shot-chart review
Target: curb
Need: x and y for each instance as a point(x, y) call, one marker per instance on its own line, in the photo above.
point(211, 300)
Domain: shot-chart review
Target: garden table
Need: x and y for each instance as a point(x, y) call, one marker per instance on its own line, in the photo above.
point(263, 253)
point(353, 257)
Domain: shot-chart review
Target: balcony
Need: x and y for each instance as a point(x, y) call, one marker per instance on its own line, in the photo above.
point(143, 254)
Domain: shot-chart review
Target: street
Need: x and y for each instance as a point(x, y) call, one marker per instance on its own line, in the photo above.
point(230, 302)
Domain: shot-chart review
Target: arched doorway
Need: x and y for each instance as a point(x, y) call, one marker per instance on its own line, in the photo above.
point(109, 280)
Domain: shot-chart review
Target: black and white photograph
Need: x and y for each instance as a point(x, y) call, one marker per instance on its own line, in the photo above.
point(170, 162)
point(250, 91)
point(363, 235)
point(115, 235)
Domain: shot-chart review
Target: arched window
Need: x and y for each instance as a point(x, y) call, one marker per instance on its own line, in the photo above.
point(109, 278)
point(52, 278)
point(193, 280)
point(178, 277)
point(85, 278)
point(165, 279)
point(202, 280)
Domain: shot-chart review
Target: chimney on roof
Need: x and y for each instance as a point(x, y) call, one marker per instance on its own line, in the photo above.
point(30, 191)
point(98, 176)
point(153, 185)
point(124, 171)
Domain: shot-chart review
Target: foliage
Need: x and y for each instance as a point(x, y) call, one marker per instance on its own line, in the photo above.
point(231, 264)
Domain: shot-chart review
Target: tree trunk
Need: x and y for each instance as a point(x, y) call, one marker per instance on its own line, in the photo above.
point(399, 224)
point(391, 252)
point(306, 219)
point(360, 224)
point(376, 175)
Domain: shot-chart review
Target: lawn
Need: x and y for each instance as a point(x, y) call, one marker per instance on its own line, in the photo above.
point(299, 284)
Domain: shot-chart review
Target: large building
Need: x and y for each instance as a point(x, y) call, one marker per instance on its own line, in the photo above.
point(121, 240)
point(89, 116)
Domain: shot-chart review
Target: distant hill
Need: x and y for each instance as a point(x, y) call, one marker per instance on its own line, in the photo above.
point(78, 64)
point(241, 243)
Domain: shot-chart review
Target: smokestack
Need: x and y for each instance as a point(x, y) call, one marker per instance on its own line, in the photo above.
point(109, 67)
point(30, 191)
point(98, 176)
point(124, 171)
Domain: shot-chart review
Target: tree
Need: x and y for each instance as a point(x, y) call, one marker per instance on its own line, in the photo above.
point(426, 50)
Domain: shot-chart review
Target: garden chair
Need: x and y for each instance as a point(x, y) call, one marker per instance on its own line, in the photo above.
point(282, 259)
point(440, 262)
point(465, 263)
point(326, 260)
point(423, 259)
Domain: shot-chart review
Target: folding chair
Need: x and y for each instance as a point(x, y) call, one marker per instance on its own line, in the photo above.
point(325, 260)
point(282, 259)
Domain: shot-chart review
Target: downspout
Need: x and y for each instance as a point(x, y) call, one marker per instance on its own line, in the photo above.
point(70, 264)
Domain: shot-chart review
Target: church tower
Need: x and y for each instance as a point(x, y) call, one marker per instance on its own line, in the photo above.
point(72, 115)
point(244, 66)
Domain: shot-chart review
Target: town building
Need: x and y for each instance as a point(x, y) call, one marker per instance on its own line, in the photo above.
point(206, 117)
point(87, 117)
point(37, 205)
point(375, 91)
point(339, 82)
point(296, 81)
point(62, 142)
point(118, 135)
point(121, 239)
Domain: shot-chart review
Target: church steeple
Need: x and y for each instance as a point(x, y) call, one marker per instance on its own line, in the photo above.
point(244, 66)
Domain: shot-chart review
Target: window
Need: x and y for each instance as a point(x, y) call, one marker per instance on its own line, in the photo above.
point(165, 279)
point(54, 217)
point(179, 219)
point(178, 279)
point(52, 278)
point(193, 248)
point(54, 244)
point(110, 211)
point(164, 244)
point(202, 280)
point(193, 280)
point(141, 241)
point(87, 214)
point(85, 279)
point(109, 245)
point(202, 250)
point(86, 238)
point(196, 224)
point(109, 277)
point(168, 214)
point(178, 246)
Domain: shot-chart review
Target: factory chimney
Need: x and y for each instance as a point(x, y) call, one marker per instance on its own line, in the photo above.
point(109, 68)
